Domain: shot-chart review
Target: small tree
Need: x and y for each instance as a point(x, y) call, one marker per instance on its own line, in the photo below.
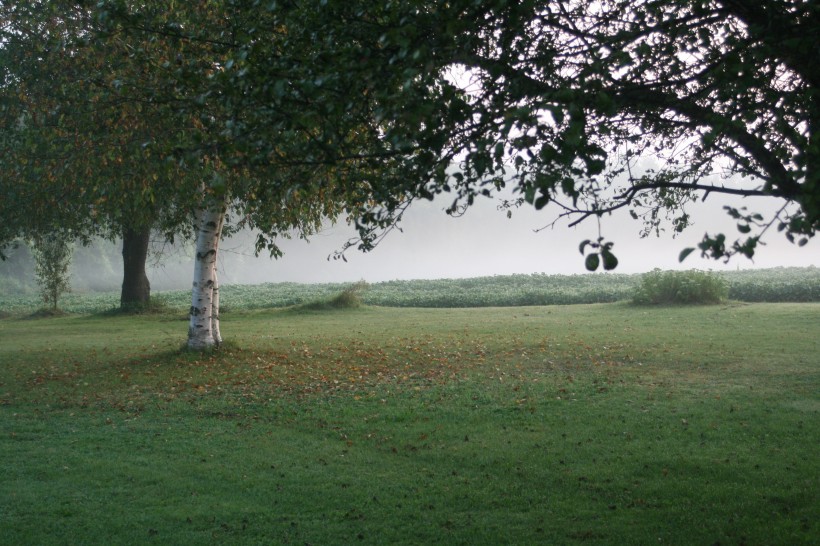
point(52, 259)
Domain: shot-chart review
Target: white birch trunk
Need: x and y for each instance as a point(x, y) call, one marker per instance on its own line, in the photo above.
point(217, 335)
point(203, 329)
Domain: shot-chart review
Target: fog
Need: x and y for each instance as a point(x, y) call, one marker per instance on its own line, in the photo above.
point(485, 242)
point(433, 245)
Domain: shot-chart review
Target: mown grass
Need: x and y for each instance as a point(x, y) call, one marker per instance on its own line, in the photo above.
point(590, 424)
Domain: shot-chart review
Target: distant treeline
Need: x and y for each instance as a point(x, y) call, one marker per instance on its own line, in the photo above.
point(763, 285)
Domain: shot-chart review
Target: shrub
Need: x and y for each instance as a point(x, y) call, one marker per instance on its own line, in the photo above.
point(680, 287)
point(349, 298)
point(52, 260)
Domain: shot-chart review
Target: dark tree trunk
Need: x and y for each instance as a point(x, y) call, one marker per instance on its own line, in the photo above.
point(136, 290)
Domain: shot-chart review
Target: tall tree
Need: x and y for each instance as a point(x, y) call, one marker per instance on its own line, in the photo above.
point(153, 92)
point(73, 157)
point(562, 99)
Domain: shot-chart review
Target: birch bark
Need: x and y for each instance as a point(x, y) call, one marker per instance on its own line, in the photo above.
point(203, 329)
point(215, 291)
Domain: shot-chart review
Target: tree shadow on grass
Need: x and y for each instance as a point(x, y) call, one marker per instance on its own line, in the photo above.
point(47, 313)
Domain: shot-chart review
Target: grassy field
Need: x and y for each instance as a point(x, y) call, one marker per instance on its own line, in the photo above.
point(584, 424)
point(760, 285)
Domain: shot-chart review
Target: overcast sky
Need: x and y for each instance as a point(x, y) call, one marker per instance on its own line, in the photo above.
point(484, 242)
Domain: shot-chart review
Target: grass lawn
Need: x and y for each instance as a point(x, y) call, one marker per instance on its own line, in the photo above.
point(587, 424)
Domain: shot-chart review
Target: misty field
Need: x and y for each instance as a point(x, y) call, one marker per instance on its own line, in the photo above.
point(583, 424)
point(796, 284)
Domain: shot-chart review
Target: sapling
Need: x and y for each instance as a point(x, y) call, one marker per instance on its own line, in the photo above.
point(52, 260)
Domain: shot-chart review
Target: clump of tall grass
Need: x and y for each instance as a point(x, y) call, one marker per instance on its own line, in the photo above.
point(680, 287)
point(349, 298)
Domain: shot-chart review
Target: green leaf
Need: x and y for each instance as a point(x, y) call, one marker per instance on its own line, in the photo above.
point(592, 262)
point(610, 261)
point(685, 253)
point(541, 201)
point(583, 245)
point(499, 151)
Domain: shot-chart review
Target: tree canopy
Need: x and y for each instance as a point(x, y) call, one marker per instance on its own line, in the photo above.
point(286, 113)
point(116, 113)
point(562, 101)
point(558, 100)
point(114, 109)
point(77, 159)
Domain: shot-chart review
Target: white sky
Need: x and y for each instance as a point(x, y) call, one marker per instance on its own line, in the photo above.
point(484, 242)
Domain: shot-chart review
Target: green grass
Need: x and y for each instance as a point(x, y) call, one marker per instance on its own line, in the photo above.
point(586, 424)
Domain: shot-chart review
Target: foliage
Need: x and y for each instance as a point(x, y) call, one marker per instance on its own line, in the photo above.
point(350, 297)
point(95, 268)
point(153, 92)
point(503, 290)
point(782, 284)
point(170, 99)
point(55, 109)
point(16, 270)
point(52, 260)
point(129, 86)
point(687, 287)
point(765, 285)
point(300, 110)
point(64, 94)
point(644, 106)
point(573, 425)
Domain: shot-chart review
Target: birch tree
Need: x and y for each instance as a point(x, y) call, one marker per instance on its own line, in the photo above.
point(280, 163)
point(141, 71)
point(203, 330)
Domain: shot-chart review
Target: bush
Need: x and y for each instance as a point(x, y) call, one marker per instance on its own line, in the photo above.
point(680, 287)
point(349, 298)
point(52, 260)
